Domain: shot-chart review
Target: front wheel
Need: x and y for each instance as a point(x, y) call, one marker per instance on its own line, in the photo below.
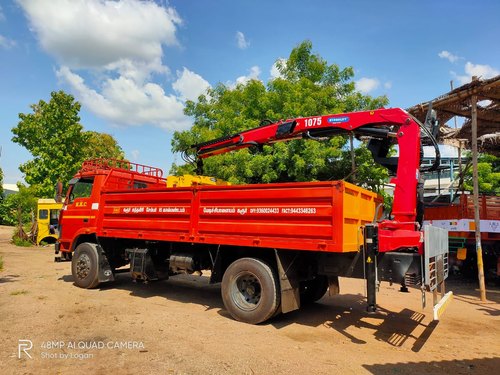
point(84, 265)
point(250, 290)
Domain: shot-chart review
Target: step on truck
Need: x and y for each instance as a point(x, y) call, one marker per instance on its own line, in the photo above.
point(273, 247)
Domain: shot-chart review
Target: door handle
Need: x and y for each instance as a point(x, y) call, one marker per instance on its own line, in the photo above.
point(85, 220)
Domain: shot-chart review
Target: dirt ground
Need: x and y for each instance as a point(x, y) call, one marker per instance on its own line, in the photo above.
point(180, 326)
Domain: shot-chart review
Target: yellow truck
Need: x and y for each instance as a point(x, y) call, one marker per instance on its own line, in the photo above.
point(48, 221)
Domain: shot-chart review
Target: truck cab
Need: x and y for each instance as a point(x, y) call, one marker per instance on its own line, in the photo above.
point(81, 204)
point(47, 221)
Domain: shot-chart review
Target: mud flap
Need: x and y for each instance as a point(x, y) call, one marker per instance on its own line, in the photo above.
point(289, 284)
point(333, 285)
point(105, 272)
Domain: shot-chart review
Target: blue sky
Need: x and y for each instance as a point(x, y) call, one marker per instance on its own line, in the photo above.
point(132, 64)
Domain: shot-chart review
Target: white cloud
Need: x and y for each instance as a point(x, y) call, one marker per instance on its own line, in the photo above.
point(2, 16)
point(139, 71)
point(241, 40)
point(478, 70)
point(388, 85)
point(94, 33)
point(6, 42)
point(274, 72)
point(366, 85)
point(484, 71)
point(119, 44)
point(190, 85)
point(253, 73)
point(448, 56)
point(125, 102)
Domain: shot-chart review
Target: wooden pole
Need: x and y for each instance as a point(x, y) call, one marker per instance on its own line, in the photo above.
point(454, 117)
point(460, 171)
point(477, 221)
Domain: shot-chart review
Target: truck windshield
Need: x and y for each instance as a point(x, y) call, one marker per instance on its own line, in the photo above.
point(81, 189)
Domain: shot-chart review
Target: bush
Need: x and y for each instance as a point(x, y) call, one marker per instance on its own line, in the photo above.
point(16, 240)
point(18, 207)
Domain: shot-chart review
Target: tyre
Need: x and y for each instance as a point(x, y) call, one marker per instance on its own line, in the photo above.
point(250, 290)
point(313, 290)
point(84, 266)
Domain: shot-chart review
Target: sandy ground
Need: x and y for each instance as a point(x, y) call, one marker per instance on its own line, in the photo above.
point(180, 326)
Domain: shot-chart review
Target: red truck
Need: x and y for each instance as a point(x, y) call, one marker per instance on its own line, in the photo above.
point(458, 219)
point(273, 246)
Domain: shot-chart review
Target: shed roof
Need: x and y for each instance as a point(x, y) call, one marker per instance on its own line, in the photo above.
point(458, 103)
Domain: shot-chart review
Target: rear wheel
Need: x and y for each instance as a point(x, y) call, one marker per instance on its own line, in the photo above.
point(84, 265)
point(313, 290)
point(250, 290)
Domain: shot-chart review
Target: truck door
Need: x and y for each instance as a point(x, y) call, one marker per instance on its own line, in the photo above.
point(77, 214)
point(43, 224)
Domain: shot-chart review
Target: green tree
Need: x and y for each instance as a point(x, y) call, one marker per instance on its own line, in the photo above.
point(488, 167)
point(102, 145)
point(308, 86)
point(52, 133)
point(18, 208)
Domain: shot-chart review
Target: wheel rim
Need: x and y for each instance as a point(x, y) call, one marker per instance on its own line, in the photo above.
point(246, 291)
point(83, 266)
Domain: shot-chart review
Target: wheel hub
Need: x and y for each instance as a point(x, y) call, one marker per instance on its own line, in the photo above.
point(250, 290)
point(247, 291)
point(83, 266)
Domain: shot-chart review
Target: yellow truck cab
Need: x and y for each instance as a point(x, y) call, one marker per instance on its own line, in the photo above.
point(48, 221)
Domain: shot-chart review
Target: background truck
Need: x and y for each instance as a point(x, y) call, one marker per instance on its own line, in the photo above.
point(47, 221)
point(273, 246)
point(458, 219)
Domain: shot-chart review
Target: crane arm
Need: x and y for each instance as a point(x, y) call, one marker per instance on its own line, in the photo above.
point(372, 123)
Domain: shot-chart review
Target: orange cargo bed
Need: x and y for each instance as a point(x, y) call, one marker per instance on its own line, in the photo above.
point(319, 216)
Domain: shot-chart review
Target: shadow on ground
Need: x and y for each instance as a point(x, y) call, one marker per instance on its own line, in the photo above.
point(341, 312)
point(344, 312)
point(457, 366)
point(8, 278)
point(467, 291)
point(181, 288)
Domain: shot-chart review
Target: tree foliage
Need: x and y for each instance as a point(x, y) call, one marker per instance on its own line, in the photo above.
point(308, 85)
point(19, 207)
point(488, 167)
point(102, 145)
point(53, 135)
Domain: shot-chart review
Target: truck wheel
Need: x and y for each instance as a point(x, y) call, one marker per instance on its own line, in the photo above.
point(250, 290)
point(312, 290)
point(84, 266)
